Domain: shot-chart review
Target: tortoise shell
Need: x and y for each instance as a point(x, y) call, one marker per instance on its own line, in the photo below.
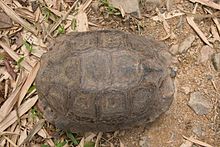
point(104, 81)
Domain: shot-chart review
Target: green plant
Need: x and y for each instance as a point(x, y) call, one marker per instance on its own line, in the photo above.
point(60, 144)
point(89, 144)
point(20, 60)
point(110, 8)
point(72, 138)
point(28, 46)
point(61, 29)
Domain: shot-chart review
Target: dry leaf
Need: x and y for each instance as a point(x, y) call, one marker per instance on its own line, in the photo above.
point(82, 22)
point(12, 117)
point(14, 55)
point(9, 69)
point(35, 129)
point(5, 21)
point(28, 82)
point(9, 103)
point(17, 18)
point(11, 142)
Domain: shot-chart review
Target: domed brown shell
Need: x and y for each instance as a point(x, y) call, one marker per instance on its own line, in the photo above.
point(104, 81)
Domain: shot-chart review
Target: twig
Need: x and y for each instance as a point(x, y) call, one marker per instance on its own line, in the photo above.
point(197, 141)
point(98, 139)
point(191, 22)
point(208, 3)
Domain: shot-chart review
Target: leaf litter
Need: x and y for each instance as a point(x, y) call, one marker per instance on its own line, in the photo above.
point(37, 30)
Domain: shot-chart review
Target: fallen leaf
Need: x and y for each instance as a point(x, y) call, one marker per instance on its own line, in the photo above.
point(12, 117)
point(5, 21)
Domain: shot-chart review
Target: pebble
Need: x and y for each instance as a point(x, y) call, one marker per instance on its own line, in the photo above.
point(186, 44)
point(174, 49)
point(143, 142)
point(131, 7)
point(205, 54)
point(197, 129)
point(216, 61)
point(199, 103)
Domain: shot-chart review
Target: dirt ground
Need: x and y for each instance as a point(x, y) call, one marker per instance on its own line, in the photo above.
point(192, 74)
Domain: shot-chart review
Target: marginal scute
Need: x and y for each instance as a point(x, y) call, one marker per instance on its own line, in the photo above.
point(104, 81)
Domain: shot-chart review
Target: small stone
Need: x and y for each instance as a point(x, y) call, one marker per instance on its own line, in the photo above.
point(205, 54)
point(174, 49)
point(131, 7)
point(143, 142)
point(186, 90)
point(216, 61)
point(197, 129)
point(199, 103)
point(187, 143)
point(186, 44)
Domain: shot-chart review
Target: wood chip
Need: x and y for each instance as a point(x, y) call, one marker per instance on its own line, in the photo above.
point(191, 22)
point(197, 142)
point(17, 18)
point(12, 117)
point(208, 3)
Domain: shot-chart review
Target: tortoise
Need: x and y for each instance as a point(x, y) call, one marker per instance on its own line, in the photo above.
point(104, 80)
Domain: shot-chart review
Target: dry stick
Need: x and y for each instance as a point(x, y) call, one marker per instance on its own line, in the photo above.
point(197, 142)
point(208, 3)
point(215, 21)
point(198, 31)
point(60, 20)
point(17, 18)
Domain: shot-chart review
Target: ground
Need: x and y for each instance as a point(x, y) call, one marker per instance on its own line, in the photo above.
point(193, 69)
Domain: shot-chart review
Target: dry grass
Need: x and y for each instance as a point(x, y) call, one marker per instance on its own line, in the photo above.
point(37, 23)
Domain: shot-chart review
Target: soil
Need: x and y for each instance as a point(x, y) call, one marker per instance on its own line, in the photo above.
point(191, 76)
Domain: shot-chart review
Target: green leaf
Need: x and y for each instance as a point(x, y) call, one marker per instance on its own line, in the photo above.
point(89, 144)
point(71, 137)
point(32, 88)
point(74, 23)
point(34, 112)
point(60, 144)
point(28, 46)
point(44, 145)
point(61, 29)
point(20, 60)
